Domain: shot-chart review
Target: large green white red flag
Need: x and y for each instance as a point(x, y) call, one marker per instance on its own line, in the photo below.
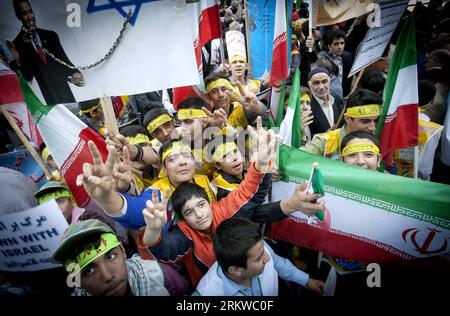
point(280, 69)
point(66, 137)
point(369, 215)
point(398, 126)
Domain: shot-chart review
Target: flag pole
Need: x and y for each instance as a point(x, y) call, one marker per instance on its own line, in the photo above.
point(416, 162)
point(310, 22)
point(110, 117)
point(25, 141)
point(355, 85)
point(247, 42)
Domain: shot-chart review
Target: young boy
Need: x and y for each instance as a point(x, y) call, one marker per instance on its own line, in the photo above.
point(247, 266)
point(361, 149)
point(192, 237)
point(61, 193)
point(91, 251)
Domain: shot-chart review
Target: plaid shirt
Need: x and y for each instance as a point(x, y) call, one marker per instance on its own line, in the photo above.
point(145, 278)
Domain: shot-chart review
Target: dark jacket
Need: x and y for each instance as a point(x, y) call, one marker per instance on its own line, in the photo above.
point(320, 123)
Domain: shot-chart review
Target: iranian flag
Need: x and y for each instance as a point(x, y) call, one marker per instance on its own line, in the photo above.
point(398, 125)
point(372, 216)
point(11, 98)
point(66, 137)
point(280, 67)
point(290, 128)
point(206, 24)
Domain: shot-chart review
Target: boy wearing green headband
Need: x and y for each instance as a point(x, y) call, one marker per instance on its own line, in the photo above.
point(362, 114)
point(91, 251)
point(61, 193)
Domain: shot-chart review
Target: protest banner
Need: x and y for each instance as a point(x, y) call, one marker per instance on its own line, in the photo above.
point(134, 65)
point(327, 12)
point(23, 162)
point(29, 238)
point(377, 38)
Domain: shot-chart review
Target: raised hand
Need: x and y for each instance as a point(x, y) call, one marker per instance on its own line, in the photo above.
point(264, 146)
point(97, 179)
point(155, 216)
point(217, 119)
point(306, 119)
point(122, 171)
point(247, 98)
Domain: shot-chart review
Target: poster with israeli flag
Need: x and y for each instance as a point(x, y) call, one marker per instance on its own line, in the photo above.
point(154, 50)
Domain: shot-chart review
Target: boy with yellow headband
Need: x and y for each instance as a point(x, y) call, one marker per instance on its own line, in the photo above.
point(245, 107)
point(362, 114)
point(92, 115)
point(361, 149)
point(177, 162)
point(191, 239)
point(91, 251)
point(238, 67)
point(194, 118)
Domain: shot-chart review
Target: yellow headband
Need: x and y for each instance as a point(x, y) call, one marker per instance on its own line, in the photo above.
point(157, 122)
point(108, 241)
point(92, 108)
point(238, 58)
point(305, 97)
point(222, 150)
point(55, 194)
point(360, 147)
point(46, 153)
point(221, 82)
point(138, 139)
point(176, 147)
point(364, 110)
point(185, 114)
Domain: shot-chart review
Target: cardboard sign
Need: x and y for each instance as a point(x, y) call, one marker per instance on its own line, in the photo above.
point(29, 238)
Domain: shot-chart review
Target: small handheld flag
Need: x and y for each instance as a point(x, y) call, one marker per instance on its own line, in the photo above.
point(315, 185)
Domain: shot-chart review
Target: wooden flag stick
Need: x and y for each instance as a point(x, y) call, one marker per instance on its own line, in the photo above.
point(110, 117)
point(25, 141)
point(355, 85)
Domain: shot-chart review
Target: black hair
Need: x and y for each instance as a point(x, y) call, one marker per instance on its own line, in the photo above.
point(17, 8)
point(358, 134)
point(328, 64)
point(192, 103)
point(183, 193)
point(374, 81)
point(154, 113)
point(214, 76)
point(133, 130)
point(363, 97)
point(332, 35)
point(427, 91)
point(232, 240)
point(88, 104)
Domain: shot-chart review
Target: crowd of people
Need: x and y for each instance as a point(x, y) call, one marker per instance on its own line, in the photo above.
point(182, 199)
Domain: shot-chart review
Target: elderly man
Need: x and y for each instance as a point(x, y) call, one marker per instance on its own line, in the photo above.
point(325, 105)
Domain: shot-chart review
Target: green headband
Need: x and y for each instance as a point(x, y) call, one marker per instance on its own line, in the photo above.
point(55, 194)
point(108, 241)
